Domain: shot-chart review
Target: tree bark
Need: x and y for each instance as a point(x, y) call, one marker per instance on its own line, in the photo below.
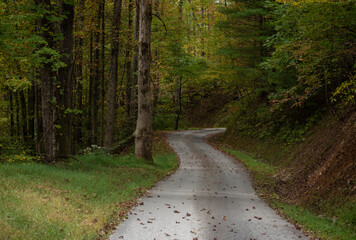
point(45, 28)
point(64, 135)
point(178, 101)
point(79, 73)
point(11, 106)
point(18, 124)
point(143, 133)
point(134, 69)
point(38, 119)
point(31, 113)
point(91, 81)
point(23, 114)
point(113, 75)
point(128, 62)
point(102, 71)
point(95, 81)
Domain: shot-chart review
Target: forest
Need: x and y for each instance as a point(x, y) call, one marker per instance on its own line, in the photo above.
point(110, 76)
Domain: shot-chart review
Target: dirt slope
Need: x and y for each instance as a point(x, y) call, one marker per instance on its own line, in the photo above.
point(324, 166)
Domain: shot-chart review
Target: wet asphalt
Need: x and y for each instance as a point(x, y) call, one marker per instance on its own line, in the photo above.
point(209, 197)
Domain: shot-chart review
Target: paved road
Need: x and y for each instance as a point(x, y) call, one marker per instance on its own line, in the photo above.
point(209, 197)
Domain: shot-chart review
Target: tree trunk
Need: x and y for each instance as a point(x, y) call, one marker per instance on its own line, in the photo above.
point(91, 81)
point(38, 119)
point(11, 105)
point(113, 75)
point(134, 69)
point(95, 81)
point(18, 125)
point(31, 113)
point(128, 62)
point(64, 135)
point(143, 133)
point(45, 26)
point(79, 73)
point(23, 114)
point(102, 114)
point(178, 100)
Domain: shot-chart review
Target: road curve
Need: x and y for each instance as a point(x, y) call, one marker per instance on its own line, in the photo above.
point(209, 197)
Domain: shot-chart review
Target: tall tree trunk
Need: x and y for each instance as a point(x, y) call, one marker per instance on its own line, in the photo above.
point(128, 62)
point(79, 73)
point(102, 71)
point(143, 133)
point(95, 81)
point(45, 26)
point(11, 105)
point(178, 79)
point(134, 69)
point(91, 81)
point(112, 82)
point(38, 119)
point(155, 75)
point(18, 124)
point(178, 97)
point(31, 112)
point(23, 114)
point(65, 76)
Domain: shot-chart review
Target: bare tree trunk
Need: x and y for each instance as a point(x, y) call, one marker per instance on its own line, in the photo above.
point(18, 125)
point(178, 79)
point(91, 80)
point(31, 113)
point(95, 81)
point(46, 81)
point(102, 114)
point(128, 62)
point(23, 114)
point(178, 101)
point(112, 82)
point(79, 72)
point(11, 106)
point(155, 75)
point(38, 119)
point(65, 74)
point(143, 133)
point(134, 75)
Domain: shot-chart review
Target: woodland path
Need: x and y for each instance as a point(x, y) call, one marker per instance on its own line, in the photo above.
point(209, 197)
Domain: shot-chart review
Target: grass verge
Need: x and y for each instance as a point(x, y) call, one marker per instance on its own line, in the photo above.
point(74, 200)
point(336, 224)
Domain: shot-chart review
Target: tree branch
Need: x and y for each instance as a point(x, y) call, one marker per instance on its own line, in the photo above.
point(164, 25)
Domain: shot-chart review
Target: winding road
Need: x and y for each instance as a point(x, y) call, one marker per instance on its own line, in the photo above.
point(209, 197)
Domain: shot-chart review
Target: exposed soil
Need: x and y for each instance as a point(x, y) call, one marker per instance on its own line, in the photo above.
point(325, 165)
point(321, 168)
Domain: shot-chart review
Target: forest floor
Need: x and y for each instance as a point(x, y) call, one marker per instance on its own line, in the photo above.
point(210, 196)
point(76, 200)
point(313, 183)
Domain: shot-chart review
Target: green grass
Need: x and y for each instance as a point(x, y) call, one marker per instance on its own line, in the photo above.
point(261, 170)
point(341, 227)
point(73, 200)
point(335, 224)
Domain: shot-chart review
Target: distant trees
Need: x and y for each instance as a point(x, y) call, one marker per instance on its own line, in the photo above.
point(291, 61)
point(79, 73)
